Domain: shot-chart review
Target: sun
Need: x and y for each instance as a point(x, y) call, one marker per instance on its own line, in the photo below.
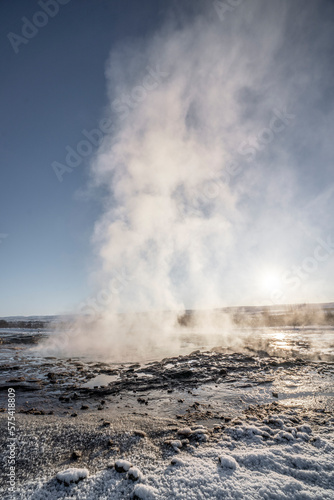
point(270, 279)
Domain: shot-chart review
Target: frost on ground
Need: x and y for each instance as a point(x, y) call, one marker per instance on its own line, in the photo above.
point(276, 457)
point(72, 475)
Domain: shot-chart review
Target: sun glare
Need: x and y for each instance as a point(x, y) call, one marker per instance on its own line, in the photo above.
point(270, 279)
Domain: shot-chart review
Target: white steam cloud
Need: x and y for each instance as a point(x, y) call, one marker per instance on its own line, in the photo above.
point(197, 174)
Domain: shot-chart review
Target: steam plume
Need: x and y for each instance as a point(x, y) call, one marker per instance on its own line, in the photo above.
point(199, 111)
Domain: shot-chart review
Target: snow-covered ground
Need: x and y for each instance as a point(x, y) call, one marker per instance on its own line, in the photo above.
point(275, 457)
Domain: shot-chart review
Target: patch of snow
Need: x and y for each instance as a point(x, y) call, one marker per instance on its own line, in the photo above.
point(134, 474)
point(228, 462)
point(144, 492)
point(122, 465)
point(177, 461)
point(72, 475)
point(305, 428)
point(185, 431)
point(303, 436)
point(277, 468)
point(176, 444)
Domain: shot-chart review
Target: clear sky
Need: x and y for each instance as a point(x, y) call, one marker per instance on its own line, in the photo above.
point(60, 78)
point(51, 90)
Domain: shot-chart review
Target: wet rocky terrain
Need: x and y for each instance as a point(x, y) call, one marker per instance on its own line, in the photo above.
point(78, 412)
point(198, 385)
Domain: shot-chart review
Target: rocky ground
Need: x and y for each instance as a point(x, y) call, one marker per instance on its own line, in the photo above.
point(96, 440)
point(197, 384)
point(210, 424)
point(87, 415)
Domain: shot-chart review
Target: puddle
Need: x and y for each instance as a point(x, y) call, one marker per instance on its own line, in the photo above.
point(101, 380)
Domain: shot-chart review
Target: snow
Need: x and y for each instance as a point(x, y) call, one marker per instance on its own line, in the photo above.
point(185, 431)
point(304, 428)
point(122, 465)
point(177, 461)
point(72, 475)
point(134, 474)
point(176, 444)
point(249, 460)
point(145, 492)
point(228, 462)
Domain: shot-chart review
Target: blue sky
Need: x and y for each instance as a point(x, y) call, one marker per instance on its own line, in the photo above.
point(51, 90)
point(64, 79)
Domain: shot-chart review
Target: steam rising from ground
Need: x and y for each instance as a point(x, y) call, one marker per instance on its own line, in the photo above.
point(184, 178)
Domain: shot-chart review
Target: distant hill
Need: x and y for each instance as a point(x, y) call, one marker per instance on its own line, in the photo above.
point(254, 316)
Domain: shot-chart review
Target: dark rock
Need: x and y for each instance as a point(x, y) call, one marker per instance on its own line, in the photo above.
point(134, 474)
point(122, 466)
point(181, 374)
point(76, 454)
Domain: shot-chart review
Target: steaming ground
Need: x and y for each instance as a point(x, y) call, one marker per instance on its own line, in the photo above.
point(206, 422)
